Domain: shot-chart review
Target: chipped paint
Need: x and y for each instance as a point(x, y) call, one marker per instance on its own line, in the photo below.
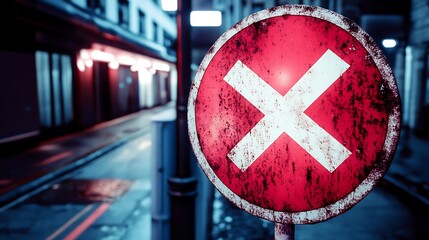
point(361, 110)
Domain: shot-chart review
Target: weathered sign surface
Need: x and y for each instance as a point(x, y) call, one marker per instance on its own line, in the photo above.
point(294, 114)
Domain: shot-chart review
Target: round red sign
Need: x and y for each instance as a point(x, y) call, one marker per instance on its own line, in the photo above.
point(294, 114)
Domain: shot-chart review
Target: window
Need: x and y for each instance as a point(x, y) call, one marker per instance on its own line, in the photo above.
point(256, 7)
point(283, 2)
point(98, 6)
point(426, 97)
point(54, 85)
point(155, 32)
point(168, 40)
point(124, 13)
point(142, 23)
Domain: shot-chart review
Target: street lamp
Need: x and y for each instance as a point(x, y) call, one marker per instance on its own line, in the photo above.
point(169, 5)
point(389, 43)
point(206, 18)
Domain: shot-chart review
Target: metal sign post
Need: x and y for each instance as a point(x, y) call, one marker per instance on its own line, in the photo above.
point(284, 231)
point(182, 184)
point(294, 115)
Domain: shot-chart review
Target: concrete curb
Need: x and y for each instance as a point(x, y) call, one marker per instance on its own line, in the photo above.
point(404, 190)
point(25, 191)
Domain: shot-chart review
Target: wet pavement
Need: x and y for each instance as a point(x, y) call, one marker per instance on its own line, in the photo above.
point(102, 200)
point(25, 171)
point(409, 169)
point(379, 216)
point(394, 210)
point(108, 196)
point(229, 222)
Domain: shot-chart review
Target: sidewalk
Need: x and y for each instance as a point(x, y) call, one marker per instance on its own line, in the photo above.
point(380, 215)
point(28, 170)
point(409, 170)
point(24, 172)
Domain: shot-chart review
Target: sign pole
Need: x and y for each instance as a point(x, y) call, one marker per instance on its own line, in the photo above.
point(183, 184)
point(284, 231)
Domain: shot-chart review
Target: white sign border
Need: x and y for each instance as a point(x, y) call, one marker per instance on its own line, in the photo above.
point(389, 147)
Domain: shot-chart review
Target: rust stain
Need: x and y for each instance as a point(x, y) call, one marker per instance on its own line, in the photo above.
point(245, 189)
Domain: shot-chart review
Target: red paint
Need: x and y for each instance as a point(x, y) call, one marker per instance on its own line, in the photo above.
point(87, 222)
point(281, 56)
point(55, 158)
point(69, 222)
point(355, 110)
point(6, 181)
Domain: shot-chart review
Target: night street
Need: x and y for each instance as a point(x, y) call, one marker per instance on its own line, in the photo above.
point(110, 199)
point(380, 216)
point(214, 120)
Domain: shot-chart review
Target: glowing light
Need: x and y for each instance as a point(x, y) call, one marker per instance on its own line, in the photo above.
point(126, 60)
point(80, 65)
point(113, 65)
point(160, 66)
point(389, 43)
point(152, 71)
point(134, 68)
point(206, 18)
point(84, 54)
point(88, 63)
point(143, 62)
point(144, 76)
point(169, 5)
point(101, 56)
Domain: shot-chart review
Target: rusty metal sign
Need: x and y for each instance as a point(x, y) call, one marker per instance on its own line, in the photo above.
point(294, 114)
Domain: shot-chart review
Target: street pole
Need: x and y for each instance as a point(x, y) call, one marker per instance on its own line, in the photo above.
point(284, 231)
point(183, 184)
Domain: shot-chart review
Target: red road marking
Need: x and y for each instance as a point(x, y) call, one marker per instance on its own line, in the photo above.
point(70, 222)
point(54, 158)
point(6, 181)
point(87, 222)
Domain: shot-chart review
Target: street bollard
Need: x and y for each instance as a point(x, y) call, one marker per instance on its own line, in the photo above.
point(163, 157)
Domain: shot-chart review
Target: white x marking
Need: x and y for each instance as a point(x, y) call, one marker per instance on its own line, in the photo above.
point(286, 113)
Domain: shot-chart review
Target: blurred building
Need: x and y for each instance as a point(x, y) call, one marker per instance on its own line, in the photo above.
point(68, 46)
point(69, 64)
point(400, 22)
point(416, 85)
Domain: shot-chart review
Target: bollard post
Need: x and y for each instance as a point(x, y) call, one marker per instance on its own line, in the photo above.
point(163, 163)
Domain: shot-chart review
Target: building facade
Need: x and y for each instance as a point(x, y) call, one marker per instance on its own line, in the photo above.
point(70, 64)
point(405, 22)
point(416, 61)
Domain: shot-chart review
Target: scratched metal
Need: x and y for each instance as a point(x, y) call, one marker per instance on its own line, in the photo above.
point(361, 110)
